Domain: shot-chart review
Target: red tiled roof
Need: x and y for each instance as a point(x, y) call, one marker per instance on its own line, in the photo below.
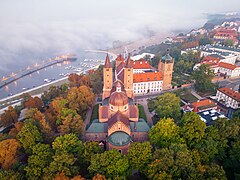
point(107, 62)
point(133, 111)
point(227, 66)
point(202, 104)
point(118, 117)
point(120, 67)
point(231, 93)
point(119, 58)
point(145, 77)
point(141, 64)
point(121, 76)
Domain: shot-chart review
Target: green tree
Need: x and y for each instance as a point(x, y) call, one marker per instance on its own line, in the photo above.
point(68, 148)
point(203, 78)
point(205, 40)
point(168, 105)
point(29, 136)
point(38, 161)
point(164, 133)
point(91, 148)
point(192, 128)
point(111, 164)
point(10, 175)
point(139, 155)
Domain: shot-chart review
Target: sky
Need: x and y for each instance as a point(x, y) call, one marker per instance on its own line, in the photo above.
point(31, 30)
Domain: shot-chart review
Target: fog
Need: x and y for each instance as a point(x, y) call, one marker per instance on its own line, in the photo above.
point(32, 30)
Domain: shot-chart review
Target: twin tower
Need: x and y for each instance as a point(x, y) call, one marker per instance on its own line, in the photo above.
point(125, 70)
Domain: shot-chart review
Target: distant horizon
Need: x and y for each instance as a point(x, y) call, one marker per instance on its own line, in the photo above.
point(41, 29)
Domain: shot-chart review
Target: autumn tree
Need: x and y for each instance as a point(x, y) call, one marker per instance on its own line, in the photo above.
point(29, 136)
point(111, 164)
point(168, 105)
point(41, 122)
point(164, 133)
point(9, 117)
point(9, 149)
point(139, 155)
point(73, 123)
point(80, 99)
point(17, 127)
point(76, 80)
point(38, 161)
point(99, 177)
point(35, 102)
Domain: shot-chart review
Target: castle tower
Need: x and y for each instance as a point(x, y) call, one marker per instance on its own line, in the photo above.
point(107, 78)
point(128, 77)
point(165, 66)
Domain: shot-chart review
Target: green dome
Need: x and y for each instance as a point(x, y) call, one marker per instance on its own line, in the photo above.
point(119, 138)
point(167, 57)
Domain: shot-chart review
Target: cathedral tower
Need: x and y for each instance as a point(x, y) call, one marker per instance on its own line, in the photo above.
point(128, 77)
point(107, 78)
point(165, 66)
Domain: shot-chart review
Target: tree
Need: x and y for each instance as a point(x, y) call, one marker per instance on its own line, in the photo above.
point(99, 177)
point(73, 123)
point(9, 117)
point(80, 99)
point(111, 164)
point(29, 136)
point(139, 155)
point(91, 148)
point(164, 133)
point(68, 148)
point(35, 102)
point(38, 161)
point(205, 40)
point(9, 149)
point(168, 105)
point(54, 92)
point(78, 80)
point(203, 78)
point(41, 121)
point(10, 175)
point(174, 162)
point(192, 128)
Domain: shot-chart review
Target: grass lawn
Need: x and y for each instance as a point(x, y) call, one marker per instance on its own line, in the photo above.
point(141, 112)
point(94, 113)
point(186, 95)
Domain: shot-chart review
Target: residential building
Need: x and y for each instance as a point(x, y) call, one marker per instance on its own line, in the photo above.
point(228, 97)
point(200, 105)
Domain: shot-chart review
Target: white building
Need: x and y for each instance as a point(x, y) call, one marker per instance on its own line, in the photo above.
point(229, 97)
point(230, 70)
point(147, 82)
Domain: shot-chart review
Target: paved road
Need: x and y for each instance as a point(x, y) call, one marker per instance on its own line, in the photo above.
point(149, 115)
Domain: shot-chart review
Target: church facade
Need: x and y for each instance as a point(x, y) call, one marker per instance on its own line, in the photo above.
point(119, 124)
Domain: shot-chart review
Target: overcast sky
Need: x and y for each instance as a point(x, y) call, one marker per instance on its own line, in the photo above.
point(31, 29)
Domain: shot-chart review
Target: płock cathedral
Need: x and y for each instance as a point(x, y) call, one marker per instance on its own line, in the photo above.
point(119, 124)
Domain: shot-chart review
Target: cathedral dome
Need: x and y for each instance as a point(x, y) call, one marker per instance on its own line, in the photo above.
point(118, 99)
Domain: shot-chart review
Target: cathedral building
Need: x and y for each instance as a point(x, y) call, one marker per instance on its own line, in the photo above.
point(118, 124)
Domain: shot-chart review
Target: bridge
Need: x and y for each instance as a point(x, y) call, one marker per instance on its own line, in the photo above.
point(5, 80)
